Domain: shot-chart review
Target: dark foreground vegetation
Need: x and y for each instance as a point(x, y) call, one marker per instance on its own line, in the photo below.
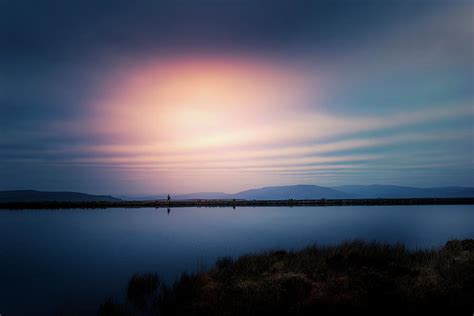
point(352, 278)
point(233, 203)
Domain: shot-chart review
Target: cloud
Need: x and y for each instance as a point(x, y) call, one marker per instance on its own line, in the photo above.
point(147, 95)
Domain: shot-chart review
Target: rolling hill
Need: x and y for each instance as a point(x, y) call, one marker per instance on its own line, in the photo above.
point(394, 191)
point(297, 192)
point(51, 196)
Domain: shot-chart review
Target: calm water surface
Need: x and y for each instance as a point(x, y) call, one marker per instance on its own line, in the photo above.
point(71, 260)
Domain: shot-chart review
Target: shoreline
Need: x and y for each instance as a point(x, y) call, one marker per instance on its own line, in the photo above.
point(235, 203)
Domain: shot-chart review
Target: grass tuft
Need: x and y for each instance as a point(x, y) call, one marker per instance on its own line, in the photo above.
point(353, 277)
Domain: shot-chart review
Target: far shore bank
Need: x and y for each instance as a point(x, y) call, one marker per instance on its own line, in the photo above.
point(235, 203)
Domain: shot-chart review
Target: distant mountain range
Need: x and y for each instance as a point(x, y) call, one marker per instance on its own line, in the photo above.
point(303, 192)
point(395, 191)
point(49, 196)
point(297, 192)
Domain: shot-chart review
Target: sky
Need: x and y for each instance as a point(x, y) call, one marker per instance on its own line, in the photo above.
point(151, 97)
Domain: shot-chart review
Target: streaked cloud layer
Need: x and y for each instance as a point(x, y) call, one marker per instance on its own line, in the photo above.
point(110, 97)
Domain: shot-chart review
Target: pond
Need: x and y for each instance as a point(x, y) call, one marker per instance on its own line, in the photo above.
point(70, 261)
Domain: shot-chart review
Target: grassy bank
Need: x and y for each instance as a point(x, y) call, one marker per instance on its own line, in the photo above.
point(349, 278)
point(233, 203)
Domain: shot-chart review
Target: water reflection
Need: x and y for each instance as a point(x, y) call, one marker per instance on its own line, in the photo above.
point(79, 257)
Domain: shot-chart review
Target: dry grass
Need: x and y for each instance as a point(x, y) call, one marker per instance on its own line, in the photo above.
point(352, 277)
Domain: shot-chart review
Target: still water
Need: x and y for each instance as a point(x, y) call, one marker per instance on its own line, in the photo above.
point(69, 261)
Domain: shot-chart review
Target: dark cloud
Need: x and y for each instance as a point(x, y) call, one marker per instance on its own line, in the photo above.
point(56, 54)
point(60, 29)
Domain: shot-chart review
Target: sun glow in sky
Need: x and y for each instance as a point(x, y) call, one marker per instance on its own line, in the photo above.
point(200, 103)
point(190, 97)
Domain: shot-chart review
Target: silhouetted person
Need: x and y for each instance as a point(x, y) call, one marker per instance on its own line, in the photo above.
point(169, 198)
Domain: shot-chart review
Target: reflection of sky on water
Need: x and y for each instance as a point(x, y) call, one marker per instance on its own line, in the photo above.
point(77, 257)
